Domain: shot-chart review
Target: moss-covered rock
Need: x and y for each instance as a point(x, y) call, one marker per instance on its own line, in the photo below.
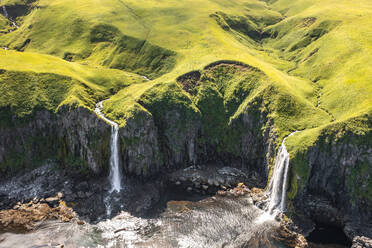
point(76, 138)
point(336, 167)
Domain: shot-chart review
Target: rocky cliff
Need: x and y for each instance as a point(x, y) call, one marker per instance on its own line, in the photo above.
point(336, 187)
point(75, 137)
point(171, 129)
point(225, 114)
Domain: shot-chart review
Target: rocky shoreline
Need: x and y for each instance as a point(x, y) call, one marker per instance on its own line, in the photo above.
point(50, 193)
point(24, 217)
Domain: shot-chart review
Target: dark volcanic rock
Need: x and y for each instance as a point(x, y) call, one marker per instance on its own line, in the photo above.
point(76, 137)
point(88, 198)
point(208, 179)
point(336, 192)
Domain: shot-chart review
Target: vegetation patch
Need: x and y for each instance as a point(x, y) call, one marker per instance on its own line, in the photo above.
point(359, 181)
point(129, 53)
point(240, 24)
point(313, 34)
point(189, 81)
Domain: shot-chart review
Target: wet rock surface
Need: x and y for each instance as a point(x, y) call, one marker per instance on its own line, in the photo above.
point(210, 179)
point(287, 236)
point(85, 195)
point(88, 195)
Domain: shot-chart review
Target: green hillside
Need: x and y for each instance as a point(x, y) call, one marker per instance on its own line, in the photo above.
point(308, 61)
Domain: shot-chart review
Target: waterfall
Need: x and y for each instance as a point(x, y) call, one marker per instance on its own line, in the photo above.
point(115, 178)
point(277, 189)
point(278, 182)
point(146, 78)
point(5, 13)
point(115, 175)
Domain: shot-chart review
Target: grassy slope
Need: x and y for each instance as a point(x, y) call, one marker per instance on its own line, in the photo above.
point(81, 85)
point(338, 62)
point(312, 49)
point(183, 26)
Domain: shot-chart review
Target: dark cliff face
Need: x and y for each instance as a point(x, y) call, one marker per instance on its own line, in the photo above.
point(80, 140)
point(139, 149)
point(166, 141)
point(76, 138)
point(338, 190)
point(256, 140)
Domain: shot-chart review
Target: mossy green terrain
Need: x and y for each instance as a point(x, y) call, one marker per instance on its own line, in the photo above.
point(308, 61)
point(30, 81)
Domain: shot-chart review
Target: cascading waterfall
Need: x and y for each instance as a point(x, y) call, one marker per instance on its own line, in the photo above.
point(278, 182)
point(115, 175)
point(5, 13)
point(115, 178)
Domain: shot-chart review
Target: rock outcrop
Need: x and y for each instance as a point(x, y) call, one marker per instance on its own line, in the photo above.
point(290, 238)
point(207, 179)
point(139, 148)
point(337, 190)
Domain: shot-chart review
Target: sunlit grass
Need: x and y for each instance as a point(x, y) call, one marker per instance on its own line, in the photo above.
point(311, 49)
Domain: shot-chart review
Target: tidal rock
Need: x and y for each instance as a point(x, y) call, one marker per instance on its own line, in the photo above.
point(81, 194)
point(89, 194)
point(361, 242)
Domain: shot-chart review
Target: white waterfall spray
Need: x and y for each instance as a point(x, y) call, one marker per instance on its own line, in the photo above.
point(115, 175)
point(277, 190)
point(278, 181)
point(146, 78)
point(5, 12)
